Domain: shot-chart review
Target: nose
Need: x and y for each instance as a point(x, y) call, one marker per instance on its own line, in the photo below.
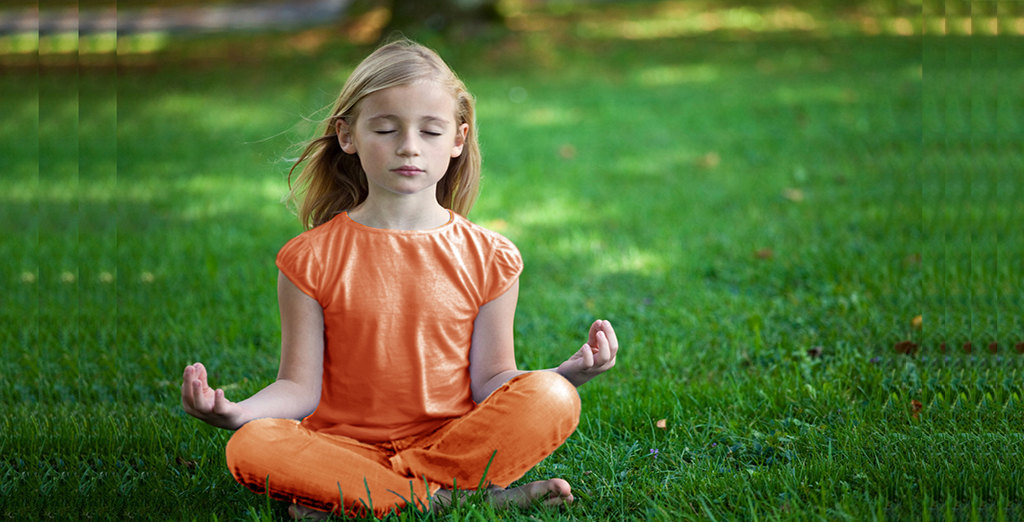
point(409, 144)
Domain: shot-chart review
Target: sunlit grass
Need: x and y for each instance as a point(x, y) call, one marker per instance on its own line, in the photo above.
point(731, 205)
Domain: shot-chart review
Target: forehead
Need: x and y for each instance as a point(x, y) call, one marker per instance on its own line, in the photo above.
point(419, 100)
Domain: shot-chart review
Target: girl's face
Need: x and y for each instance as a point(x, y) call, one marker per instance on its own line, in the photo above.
point(405, 137)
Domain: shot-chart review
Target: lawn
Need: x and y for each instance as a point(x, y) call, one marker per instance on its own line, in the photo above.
point(763, 217)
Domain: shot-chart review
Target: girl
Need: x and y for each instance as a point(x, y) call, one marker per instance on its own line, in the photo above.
point(396, 320)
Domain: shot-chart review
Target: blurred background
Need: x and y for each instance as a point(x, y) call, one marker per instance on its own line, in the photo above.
point(142, 142)
point(742, 186)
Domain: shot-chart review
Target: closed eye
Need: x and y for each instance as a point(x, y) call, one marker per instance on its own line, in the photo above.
point(431, 133)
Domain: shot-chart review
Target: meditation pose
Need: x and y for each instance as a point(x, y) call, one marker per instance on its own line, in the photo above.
point(398, 384)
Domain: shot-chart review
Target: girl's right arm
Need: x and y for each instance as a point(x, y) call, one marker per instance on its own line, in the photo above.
point(294, 394)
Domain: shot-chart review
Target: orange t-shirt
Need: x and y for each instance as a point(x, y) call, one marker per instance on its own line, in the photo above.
point(399, 307)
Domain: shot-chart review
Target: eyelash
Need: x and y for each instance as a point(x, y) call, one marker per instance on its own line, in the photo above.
point(428, 133)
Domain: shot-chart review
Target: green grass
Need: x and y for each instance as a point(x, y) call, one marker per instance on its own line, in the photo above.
point(859, 182)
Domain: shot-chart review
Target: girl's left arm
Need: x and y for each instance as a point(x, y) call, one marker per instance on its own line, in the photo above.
point(492, 360)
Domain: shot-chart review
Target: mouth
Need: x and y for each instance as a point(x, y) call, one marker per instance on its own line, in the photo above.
point(408, 170)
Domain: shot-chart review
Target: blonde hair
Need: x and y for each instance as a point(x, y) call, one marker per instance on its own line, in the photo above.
point(333, 181)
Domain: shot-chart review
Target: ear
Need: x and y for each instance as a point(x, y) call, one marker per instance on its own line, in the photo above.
point(460, 139)
point(345, 136)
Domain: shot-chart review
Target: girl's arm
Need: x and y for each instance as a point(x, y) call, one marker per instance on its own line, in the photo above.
point(492, 360)
point(294, 394)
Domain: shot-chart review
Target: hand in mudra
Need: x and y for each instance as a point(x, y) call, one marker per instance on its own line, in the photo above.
point(594, 358)
point(207, 404)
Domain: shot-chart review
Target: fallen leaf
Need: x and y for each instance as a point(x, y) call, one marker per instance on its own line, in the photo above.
point(815, 352)
point(709, 160)
point(967, 347)
point(917, 321)
point(942, 347)
point(800, 115)
point(912, 259)
point(663, 424)
point(906, 347)
point(1019, 347)
point(498, 225)
point(567, 151)
point(764, 253)
point(916, 407)
point(993, 347)
point(793, 194)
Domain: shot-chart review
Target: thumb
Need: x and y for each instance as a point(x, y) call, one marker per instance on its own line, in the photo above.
point(220, 404)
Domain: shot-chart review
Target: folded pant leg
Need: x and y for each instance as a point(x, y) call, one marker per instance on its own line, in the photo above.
point(310, 468)
point(521, 423)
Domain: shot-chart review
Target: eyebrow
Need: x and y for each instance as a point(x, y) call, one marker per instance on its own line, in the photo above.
point(425, 119)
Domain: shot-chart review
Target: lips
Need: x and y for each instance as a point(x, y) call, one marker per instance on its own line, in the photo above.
point(408, 170)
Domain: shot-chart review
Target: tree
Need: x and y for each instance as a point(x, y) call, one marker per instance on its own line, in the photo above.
point(447, 16)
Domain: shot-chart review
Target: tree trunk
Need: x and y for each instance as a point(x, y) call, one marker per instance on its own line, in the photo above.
point(451, 17)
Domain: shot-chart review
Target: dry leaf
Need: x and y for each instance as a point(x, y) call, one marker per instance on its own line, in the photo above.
point(967, 347)
point(498, 225)
point(916, 407)
point(993, 347)
point(765, 66)
point(709, 160)
point(764, 253)
point(906, 347)
point(567, 151)
point(793, 194)
point(663, 424)
point(1019, 347)
point(942, 347)
point(917, 321)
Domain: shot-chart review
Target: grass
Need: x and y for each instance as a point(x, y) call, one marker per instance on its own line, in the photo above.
point(729, 202)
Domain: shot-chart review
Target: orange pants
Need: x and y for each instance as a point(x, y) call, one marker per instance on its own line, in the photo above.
point(520, 424)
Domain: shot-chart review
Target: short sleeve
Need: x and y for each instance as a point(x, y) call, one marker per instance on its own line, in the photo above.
point(505, 268)
point(298, 262)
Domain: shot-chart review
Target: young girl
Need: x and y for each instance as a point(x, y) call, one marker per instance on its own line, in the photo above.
point(396, 320)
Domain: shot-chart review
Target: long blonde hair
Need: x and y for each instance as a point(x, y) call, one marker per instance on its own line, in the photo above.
point(333, 181)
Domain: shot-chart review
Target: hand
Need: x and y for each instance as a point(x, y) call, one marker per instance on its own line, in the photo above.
point(594, 358)
point(207, 404)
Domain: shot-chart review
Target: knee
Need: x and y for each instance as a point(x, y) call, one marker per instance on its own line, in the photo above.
point(551, 391)
point(252, 442)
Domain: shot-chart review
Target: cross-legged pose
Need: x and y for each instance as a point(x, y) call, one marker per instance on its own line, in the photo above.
point(398, 384)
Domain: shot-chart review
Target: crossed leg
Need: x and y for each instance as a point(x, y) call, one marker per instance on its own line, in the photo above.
point(519, 425)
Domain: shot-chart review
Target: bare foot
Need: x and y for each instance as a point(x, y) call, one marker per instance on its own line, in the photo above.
point(300, 512)
point(553, 492)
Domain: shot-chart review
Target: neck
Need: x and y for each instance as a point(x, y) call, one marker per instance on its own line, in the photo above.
point(400, 214)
